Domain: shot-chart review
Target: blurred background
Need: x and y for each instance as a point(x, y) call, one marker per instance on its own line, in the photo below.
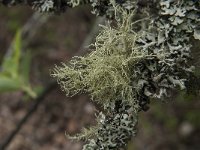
point(36, 115)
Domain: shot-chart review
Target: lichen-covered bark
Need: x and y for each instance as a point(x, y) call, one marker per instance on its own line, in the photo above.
point(100, 7)
point(156, 64)
point(128, 67)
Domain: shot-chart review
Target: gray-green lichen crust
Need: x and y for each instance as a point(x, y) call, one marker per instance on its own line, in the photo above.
point(114, 129)
point(168, 36)
point(100, 7)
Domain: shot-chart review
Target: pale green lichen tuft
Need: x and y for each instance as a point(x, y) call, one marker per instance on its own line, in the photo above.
point(85, 134)
point(105, 73)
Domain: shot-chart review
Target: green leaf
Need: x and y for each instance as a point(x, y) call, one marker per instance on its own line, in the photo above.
point(25, 67)
point(29, 91)
point(10, 65)
point(16, 70)
point(8, 84)
point(37, 90)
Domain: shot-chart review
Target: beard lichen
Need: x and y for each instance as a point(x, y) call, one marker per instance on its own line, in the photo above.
point(106, 73)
